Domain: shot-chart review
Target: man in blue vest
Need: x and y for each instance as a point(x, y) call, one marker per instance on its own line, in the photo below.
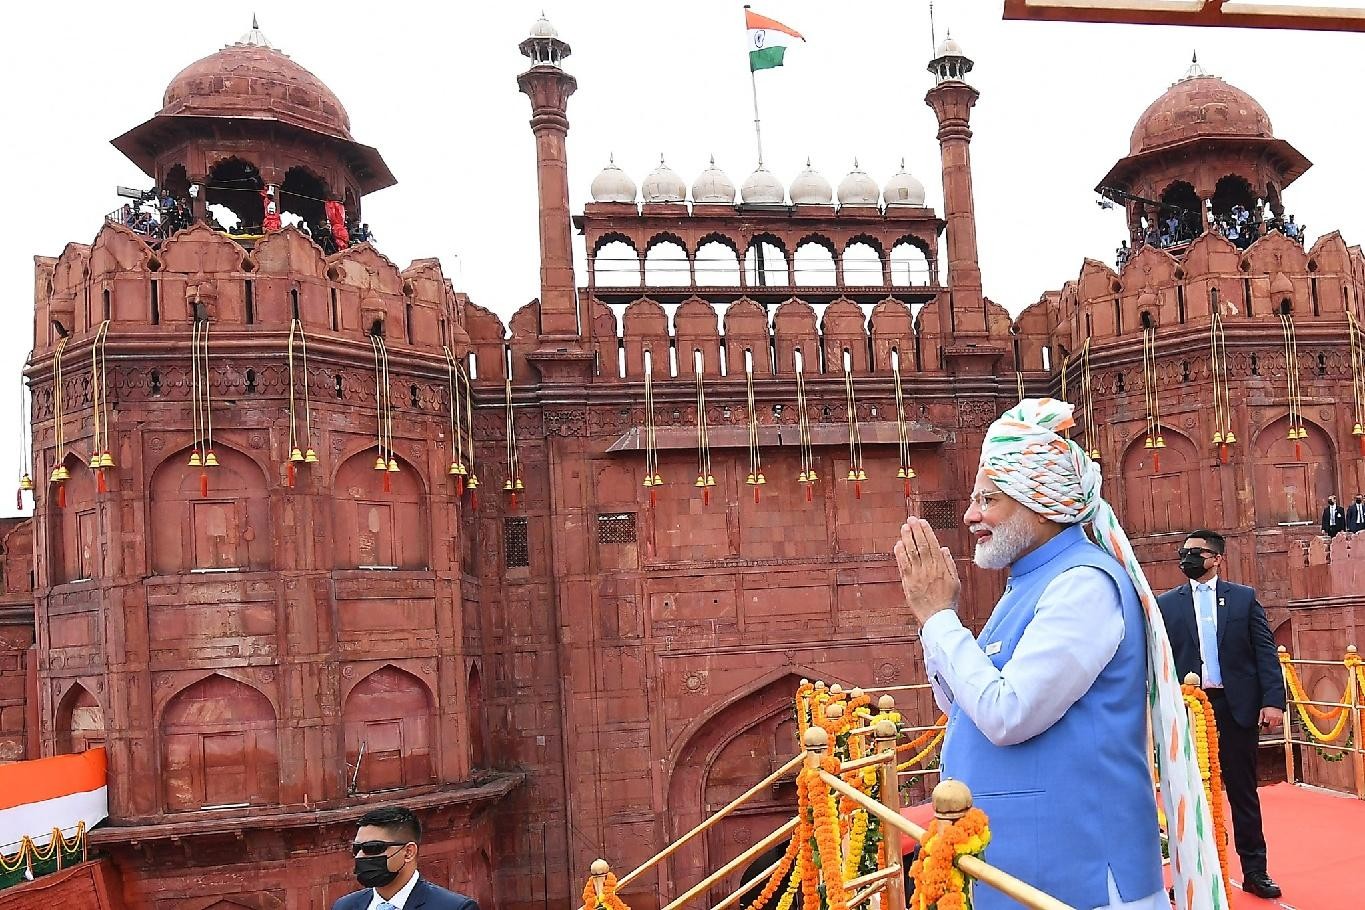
point(1047, 708)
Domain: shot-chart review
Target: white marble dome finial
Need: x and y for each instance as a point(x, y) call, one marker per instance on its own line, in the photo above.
point(612, 185)
point(663, 185)
point(762, 188)
point(858, 189)
point(713, 187)
point(903, 189)
point(811, 188)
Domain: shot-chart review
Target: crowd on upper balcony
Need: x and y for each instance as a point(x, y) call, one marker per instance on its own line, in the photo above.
point(1241, 225)
point(158, 214)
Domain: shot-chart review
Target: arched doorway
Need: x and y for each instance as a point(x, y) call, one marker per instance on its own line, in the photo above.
point(1180, 217)
point(303, 194)
point(235, 185)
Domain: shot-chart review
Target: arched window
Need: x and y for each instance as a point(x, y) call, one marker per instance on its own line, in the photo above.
point(862, 264)
point(765, 264)
point(1179, 218)
point(218, 747)
point(717, 265)
point(227, 530)
point(616, 265)
point(80, 722)
point(387, 719)
point(666, 265)
point(909, 265)
point(75, 544)
point(813, 265)
point(374, 528)
point(233, 194)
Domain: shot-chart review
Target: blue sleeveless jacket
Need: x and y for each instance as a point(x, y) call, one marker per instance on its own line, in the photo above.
point(1076, 800)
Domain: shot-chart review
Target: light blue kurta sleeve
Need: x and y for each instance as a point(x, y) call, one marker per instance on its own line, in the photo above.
point(1076, 630)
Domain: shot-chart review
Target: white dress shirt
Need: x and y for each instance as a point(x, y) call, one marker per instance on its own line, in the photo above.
point(1076, 630)
point(1199, 621)
point(400, 899)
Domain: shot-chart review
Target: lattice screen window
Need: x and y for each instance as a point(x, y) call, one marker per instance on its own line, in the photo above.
point(942, 514)
point(618, 527)
point(516, 550)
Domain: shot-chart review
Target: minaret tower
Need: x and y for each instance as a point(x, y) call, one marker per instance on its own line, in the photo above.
point(549, 88)
point(952, 100)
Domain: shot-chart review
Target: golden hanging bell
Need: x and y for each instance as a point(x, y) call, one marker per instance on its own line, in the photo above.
point(507, 485)
point(26, 482)
point(473, 482)
point(761, 478)
point(1293, 432)
point(1160, 442)
point(649, 480)
point(519, 485)
point(658, 479)
point(393, 466)
point(1229, 437)
point(1303, 432)
point(310, 457)
point(1358, 430)
point(852, 474)
point(63, 473)
point(1217, 437)
point(380, 464)
point(210, 460)
point(460, 468)
point(194, 460)
point(55, 476)
point(1148, 443)
point(710, 480)
point(862, 475)
point(106, 460)
point(750, 480)
point(453, 469)
point(909, 473)
point(813, 477)
point(1095, 454)
point(296, 454)
point(802, 478)
point(701, 481)
point(900, 473)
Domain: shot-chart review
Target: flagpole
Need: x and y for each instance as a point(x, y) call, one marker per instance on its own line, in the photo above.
point(753, 84)
point(758, 132)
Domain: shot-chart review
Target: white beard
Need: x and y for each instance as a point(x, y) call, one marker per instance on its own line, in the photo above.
point(1009, 540)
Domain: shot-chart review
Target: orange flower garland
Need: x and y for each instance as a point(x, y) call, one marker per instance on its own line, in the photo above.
point(608, 900)
point(924, 737)
point(826, 825)
point(1296, 691)
point(779, 874)
point(938, 883)
point(1205, 730)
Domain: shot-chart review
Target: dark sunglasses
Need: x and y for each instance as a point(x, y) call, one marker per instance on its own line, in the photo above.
point(1194, 551)
point(376, 847)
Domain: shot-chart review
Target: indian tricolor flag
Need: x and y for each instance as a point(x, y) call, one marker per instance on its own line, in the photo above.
point(58, 792)
point(768, 40)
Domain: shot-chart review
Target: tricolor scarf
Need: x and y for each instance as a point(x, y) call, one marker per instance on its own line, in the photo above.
point(1026, 457)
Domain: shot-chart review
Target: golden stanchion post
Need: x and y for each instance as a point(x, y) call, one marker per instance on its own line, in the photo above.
point(1288, 717)
point(1354, 699)
point(884, 741)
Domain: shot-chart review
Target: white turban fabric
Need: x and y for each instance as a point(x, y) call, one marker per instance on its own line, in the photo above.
point(1026, 456)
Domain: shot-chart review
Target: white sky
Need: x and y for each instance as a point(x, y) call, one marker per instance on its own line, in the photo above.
point(433, 86)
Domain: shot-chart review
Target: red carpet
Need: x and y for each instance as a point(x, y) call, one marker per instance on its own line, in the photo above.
point(1315, 840)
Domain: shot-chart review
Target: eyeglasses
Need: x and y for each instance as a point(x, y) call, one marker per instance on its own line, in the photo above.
point(376, 847)
point(1195, 551)
point(983, 500)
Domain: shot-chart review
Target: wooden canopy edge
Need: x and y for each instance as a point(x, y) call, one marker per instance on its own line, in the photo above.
point(1212, 13)
point(823, 435)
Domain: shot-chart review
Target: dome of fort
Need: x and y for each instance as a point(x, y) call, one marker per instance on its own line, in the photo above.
point(1199, 106)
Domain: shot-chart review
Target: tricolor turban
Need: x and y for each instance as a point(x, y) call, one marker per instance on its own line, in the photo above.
point(1026, 456)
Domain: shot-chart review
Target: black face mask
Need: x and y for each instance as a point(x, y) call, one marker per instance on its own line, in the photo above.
point(373, 871)
point(1192, 566)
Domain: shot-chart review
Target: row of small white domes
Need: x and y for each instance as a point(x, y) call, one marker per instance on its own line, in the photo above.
point(714, 187)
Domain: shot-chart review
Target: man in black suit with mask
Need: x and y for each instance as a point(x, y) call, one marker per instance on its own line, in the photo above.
point(1218, 630)
point(385, 852)
point(1355, 515)
point(1333, 518)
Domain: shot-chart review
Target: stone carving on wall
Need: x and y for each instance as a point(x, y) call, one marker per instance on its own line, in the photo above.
point(975, 412)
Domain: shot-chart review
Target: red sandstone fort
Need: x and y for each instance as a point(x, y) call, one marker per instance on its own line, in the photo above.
point(261, 573)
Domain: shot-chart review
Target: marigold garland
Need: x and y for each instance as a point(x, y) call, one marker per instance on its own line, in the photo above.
point(779, 874)
point(909, 764)
point(1298, 695)
point(938, 883)
point(608, 899)
point(1205, 731)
